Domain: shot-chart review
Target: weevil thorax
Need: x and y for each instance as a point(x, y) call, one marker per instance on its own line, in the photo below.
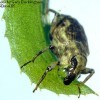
point(65, 37)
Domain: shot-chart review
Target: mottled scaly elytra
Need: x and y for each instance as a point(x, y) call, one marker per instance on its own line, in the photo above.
point(70, 46)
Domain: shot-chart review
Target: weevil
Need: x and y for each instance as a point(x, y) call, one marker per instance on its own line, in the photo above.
point(69, 44)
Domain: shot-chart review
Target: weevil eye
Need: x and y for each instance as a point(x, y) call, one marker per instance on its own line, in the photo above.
point(67, 80)
point(74, 61)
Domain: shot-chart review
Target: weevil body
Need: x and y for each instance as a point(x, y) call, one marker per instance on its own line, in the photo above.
point(70, 46)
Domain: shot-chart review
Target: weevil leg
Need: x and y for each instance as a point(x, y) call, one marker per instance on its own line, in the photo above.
point(79, 91)
point(87, 71)
point(38, 54)
point(53, 11)
point(48, 69)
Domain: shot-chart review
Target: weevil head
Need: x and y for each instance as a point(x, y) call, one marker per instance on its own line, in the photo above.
point(71, 72)
point(71, 75)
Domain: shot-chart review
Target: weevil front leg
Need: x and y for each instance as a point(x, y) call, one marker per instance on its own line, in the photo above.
point(37, 55)
point(48, 69)
point(87, 71)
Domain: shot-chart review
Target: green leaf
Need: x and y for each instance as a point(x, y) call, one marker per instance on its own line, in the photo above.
point(26, 35)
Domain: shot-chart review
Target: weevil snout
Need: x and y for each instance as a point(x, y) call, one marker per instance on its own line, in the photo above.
point(71, 76)
point(67, 80)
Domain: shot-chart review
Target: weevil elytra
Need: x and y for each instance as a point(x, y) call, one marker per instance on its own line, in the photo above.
point(69, 44)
